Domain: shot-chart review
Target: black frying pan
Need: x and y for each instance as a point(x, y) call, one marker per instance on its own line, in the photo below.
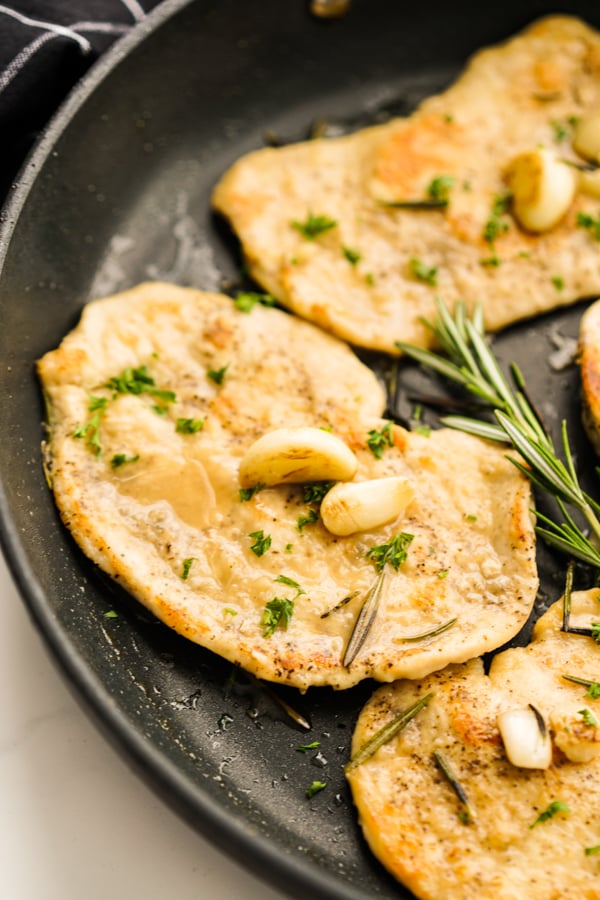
point(117, 192)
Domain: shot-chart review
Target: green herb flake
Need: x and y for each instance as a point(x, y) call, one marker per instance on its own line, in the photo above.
point(557, 806)
point(218, 375)
point(394, 552)
point(229, 611)
point(584, 220)
point(111, 614)
point(426, 274)
point(491, 262)
point(439, 187)
point(589, 718)
point(314, 226)
point(315, 787)
point(379, 439)
point(560, 129)
point(591, 851)
point(595, 629)
point(120, 459)
point(558, 281)
point(91, 430)
point(313, 492)
point(248, 493)
point(261, 544)
point(304, 748)
point(245, 301)
point(186, 566)
point(309, 518)
point(422, 429)
point(353, 256)
point(136, 381)
point(283, 579)
point(495, 224)
point(189, 426)
point(277, 614)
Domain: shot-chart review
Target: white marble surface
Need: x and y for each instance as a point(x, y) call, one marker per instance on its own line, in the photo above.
point(75, 822)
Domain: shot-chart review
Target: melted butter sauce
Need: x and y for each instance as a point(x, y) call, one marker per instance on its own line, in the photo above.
point(180, 481)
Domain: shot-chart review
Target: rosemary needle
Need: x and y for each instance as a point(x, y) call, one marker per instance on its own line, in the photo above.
point(389, 731)
point(467, 360)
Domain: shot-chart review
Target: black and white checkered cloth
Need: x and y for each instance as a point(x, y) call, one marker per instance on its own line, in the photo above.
point(45, 48)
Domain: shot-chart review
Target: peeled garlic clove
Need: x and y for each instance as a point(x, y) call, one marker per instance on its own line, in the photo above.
point(589, 183)
point(292, 455)
point(586, 137)
point(526, 739)
point(364, 505)
point(542, 188)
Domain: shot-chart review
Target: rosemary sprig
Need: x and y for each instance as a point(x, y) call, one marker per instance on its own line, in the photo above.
point(468, 360)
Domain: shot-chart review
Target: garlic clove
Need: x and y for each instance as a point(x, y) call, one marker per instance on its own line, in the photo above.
point(589, 183)
point(586, 137)
point(526, 738)
point(294, 455)
point(364, 505)
point(542, 187)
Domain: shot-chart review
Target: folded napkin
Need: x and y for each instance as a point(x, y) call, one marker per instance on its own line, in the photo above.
point(45, 48)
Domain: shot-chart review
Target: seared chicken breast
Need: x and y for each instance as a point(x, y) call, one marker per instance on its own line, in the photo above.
point(442, 805)
point(474, 197)
point(169, 410)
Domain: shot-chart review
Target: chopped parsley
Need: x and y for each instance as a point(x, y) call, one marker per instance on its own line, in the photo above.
point(315, 787)
point(186, 566)
point(245, 301)
point(138, 381)
point(314, 226)
point(277, 614)
point(189, 426)
point(378, 440)
point(584, 220)
point(558, 281)
point(303, 748)
point(596, 631)
point(353, 256)
point(308, 518)
point(248, 493)
point(427, 274)
point(589, 718)
point(551, 810)
point(217, 375)
point(91, 430)
point(439, 188)
point(590, 851)
point(111, 614)
point(561, 130)
point(495, 224)
point(283, 579)
point(393, 552)
point(262, 542)
point(119, 459)
point(314, 491)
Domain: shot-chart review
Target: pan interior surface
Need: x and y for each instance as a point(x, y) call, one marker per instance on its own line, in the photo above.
point(117, 193)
